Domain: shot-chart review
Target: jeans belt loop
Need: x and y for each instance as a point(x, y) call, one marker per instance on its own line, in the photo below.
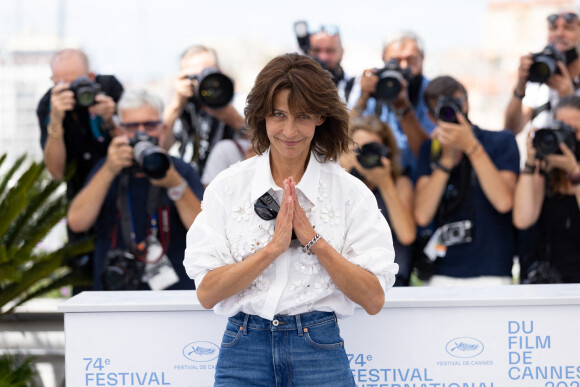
point(298, 325)
point(245, 325)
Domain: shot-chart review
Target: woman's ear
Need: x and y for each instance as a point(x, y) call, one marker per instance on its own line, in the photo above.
point(321, 120)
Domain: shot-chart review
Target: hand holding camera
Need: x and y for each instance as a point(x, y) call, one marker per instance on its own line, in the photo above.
point(61, 100)
point(453, 129)
point(119, 155)
point(104, 107)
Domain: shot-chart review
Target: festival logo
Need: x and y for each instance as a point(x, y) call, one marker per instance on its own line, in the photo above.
point(201, 351)
point(464, 347)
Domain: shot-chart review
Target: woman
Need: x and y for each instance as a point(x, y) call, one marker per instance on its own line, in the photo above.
point(287, 240)
point(548, 195)
point(392, 189)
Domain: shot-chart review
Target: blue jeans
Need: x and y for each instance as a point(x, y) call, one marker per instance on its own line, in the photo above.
point(301, 350)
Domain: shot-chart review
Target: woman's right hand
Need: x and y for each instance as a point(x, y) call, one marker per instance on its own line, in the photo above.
point(283, 230)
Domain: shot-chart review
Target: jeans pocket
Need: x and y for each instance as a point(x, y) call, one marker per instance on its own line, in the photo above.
point(230, 337)
point(324, 336)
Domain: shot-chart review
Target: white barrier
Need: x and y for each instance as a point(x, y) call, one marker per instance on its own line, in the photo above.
point(521, 335)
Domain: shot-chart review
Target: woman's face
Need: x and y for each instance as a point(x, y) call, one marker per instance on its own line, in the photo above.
point(570, 116)
point(290, 136)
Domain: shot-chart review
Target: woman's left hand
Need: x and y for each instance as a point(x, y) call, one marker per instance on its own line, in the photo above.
point(300, 222)
point(566, 161)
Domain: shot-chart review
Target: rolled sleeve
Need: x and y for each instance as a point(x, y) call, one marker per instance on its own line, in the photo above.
point(207, 245)
point(369, 242)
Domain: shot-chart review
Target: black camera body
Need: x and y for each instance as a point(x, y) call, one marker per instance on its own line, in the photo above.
point(547, 141)
point(447, 109)
point(390, 80)
point(545, 64)
point(212, 88)
point(148, 157)
point(85, 91)
point(123, 271)
point(369, 155)
point(456, 233)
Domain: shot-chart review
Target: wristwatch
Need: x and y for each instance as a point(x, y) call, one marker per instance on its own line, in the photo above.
point(175, 193)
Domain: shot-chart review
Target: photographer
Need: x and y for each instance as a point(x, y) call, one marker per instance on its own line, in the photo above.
point(198, 124)
point(73, 130)
point(548, 196)
point(398, 101)
point(374, 158)
point(466, 189)
point(534, 96)
point(325, 46)
point(141, 202)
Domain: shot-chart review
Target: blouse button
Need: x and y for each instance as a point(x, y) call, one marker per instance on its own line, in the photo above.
point(275, 323)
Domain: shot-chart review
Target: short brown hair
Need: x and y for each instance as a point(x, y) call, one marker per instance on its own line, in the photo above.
point(373, 124)
point(311, 91)
point(443, 85)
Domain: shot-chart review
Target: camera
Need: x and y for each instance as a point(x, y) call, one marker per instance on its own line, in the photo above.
point(150, 158)
point(547, 141)
point(456, 233)
point(123, 271)
point(390, 77)
point(545, 63)
point(369, 155)
point(85, 91)
point(213, 88)
point(447, 109)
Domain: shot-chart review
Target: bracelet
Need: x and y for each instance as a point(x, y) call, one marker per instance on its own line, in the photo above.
point(518, 95)
point(309, 245)
point(437, 165)
point(474, 149)
point(400, 113)
point(54, 134)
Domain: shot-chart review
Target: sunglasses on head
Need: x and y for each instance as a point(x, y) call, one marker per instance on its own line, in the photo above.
point(267, 208)
point(569, 17)
point(329, 30)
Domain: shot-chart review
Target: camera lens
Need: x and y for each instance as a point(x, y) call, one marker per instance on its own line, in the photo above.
point(151, 159)
point(388, 86)
point(541, 70)
point(448, 114)
point(85, 96)
point(216, 90)
point(546, 142)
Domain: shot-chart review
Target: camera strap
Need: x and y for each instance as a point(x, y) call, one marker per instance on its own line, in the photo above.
point(540, 109)
point(158, 210)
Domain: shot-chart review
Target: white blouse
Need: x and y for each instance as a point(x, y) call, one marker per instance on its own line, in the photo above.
point(340, 207)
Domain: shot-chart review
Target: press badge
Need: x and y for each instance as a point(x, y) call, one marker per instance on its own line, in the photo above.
point(159, 273)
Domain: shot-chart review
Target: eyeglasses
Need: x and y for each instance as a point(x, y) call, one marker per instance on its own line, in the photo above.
point(267, 208)
point(132, 127)
point(569, 17)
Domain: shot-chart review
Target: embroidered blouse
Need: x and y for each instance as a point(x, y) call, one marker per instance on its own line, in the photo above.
point(340, 207)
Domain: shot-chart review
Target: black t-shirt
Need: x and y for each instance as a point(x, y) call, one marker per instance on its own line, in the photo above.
point(85, 142)
point(201, 131)
point(557, 236)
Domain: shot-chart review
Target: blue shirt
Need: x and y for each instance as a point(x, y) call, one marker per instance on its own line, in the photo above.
point(108, 228)
point(491, 251)
point(408, 159)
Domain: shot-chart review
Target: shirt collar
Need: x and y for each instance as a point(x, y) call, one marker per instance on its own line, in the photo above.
point(263, 181)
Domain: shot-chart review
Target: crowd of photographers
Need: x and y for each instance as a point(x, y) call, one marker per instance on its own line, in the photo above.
point(459, 204)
